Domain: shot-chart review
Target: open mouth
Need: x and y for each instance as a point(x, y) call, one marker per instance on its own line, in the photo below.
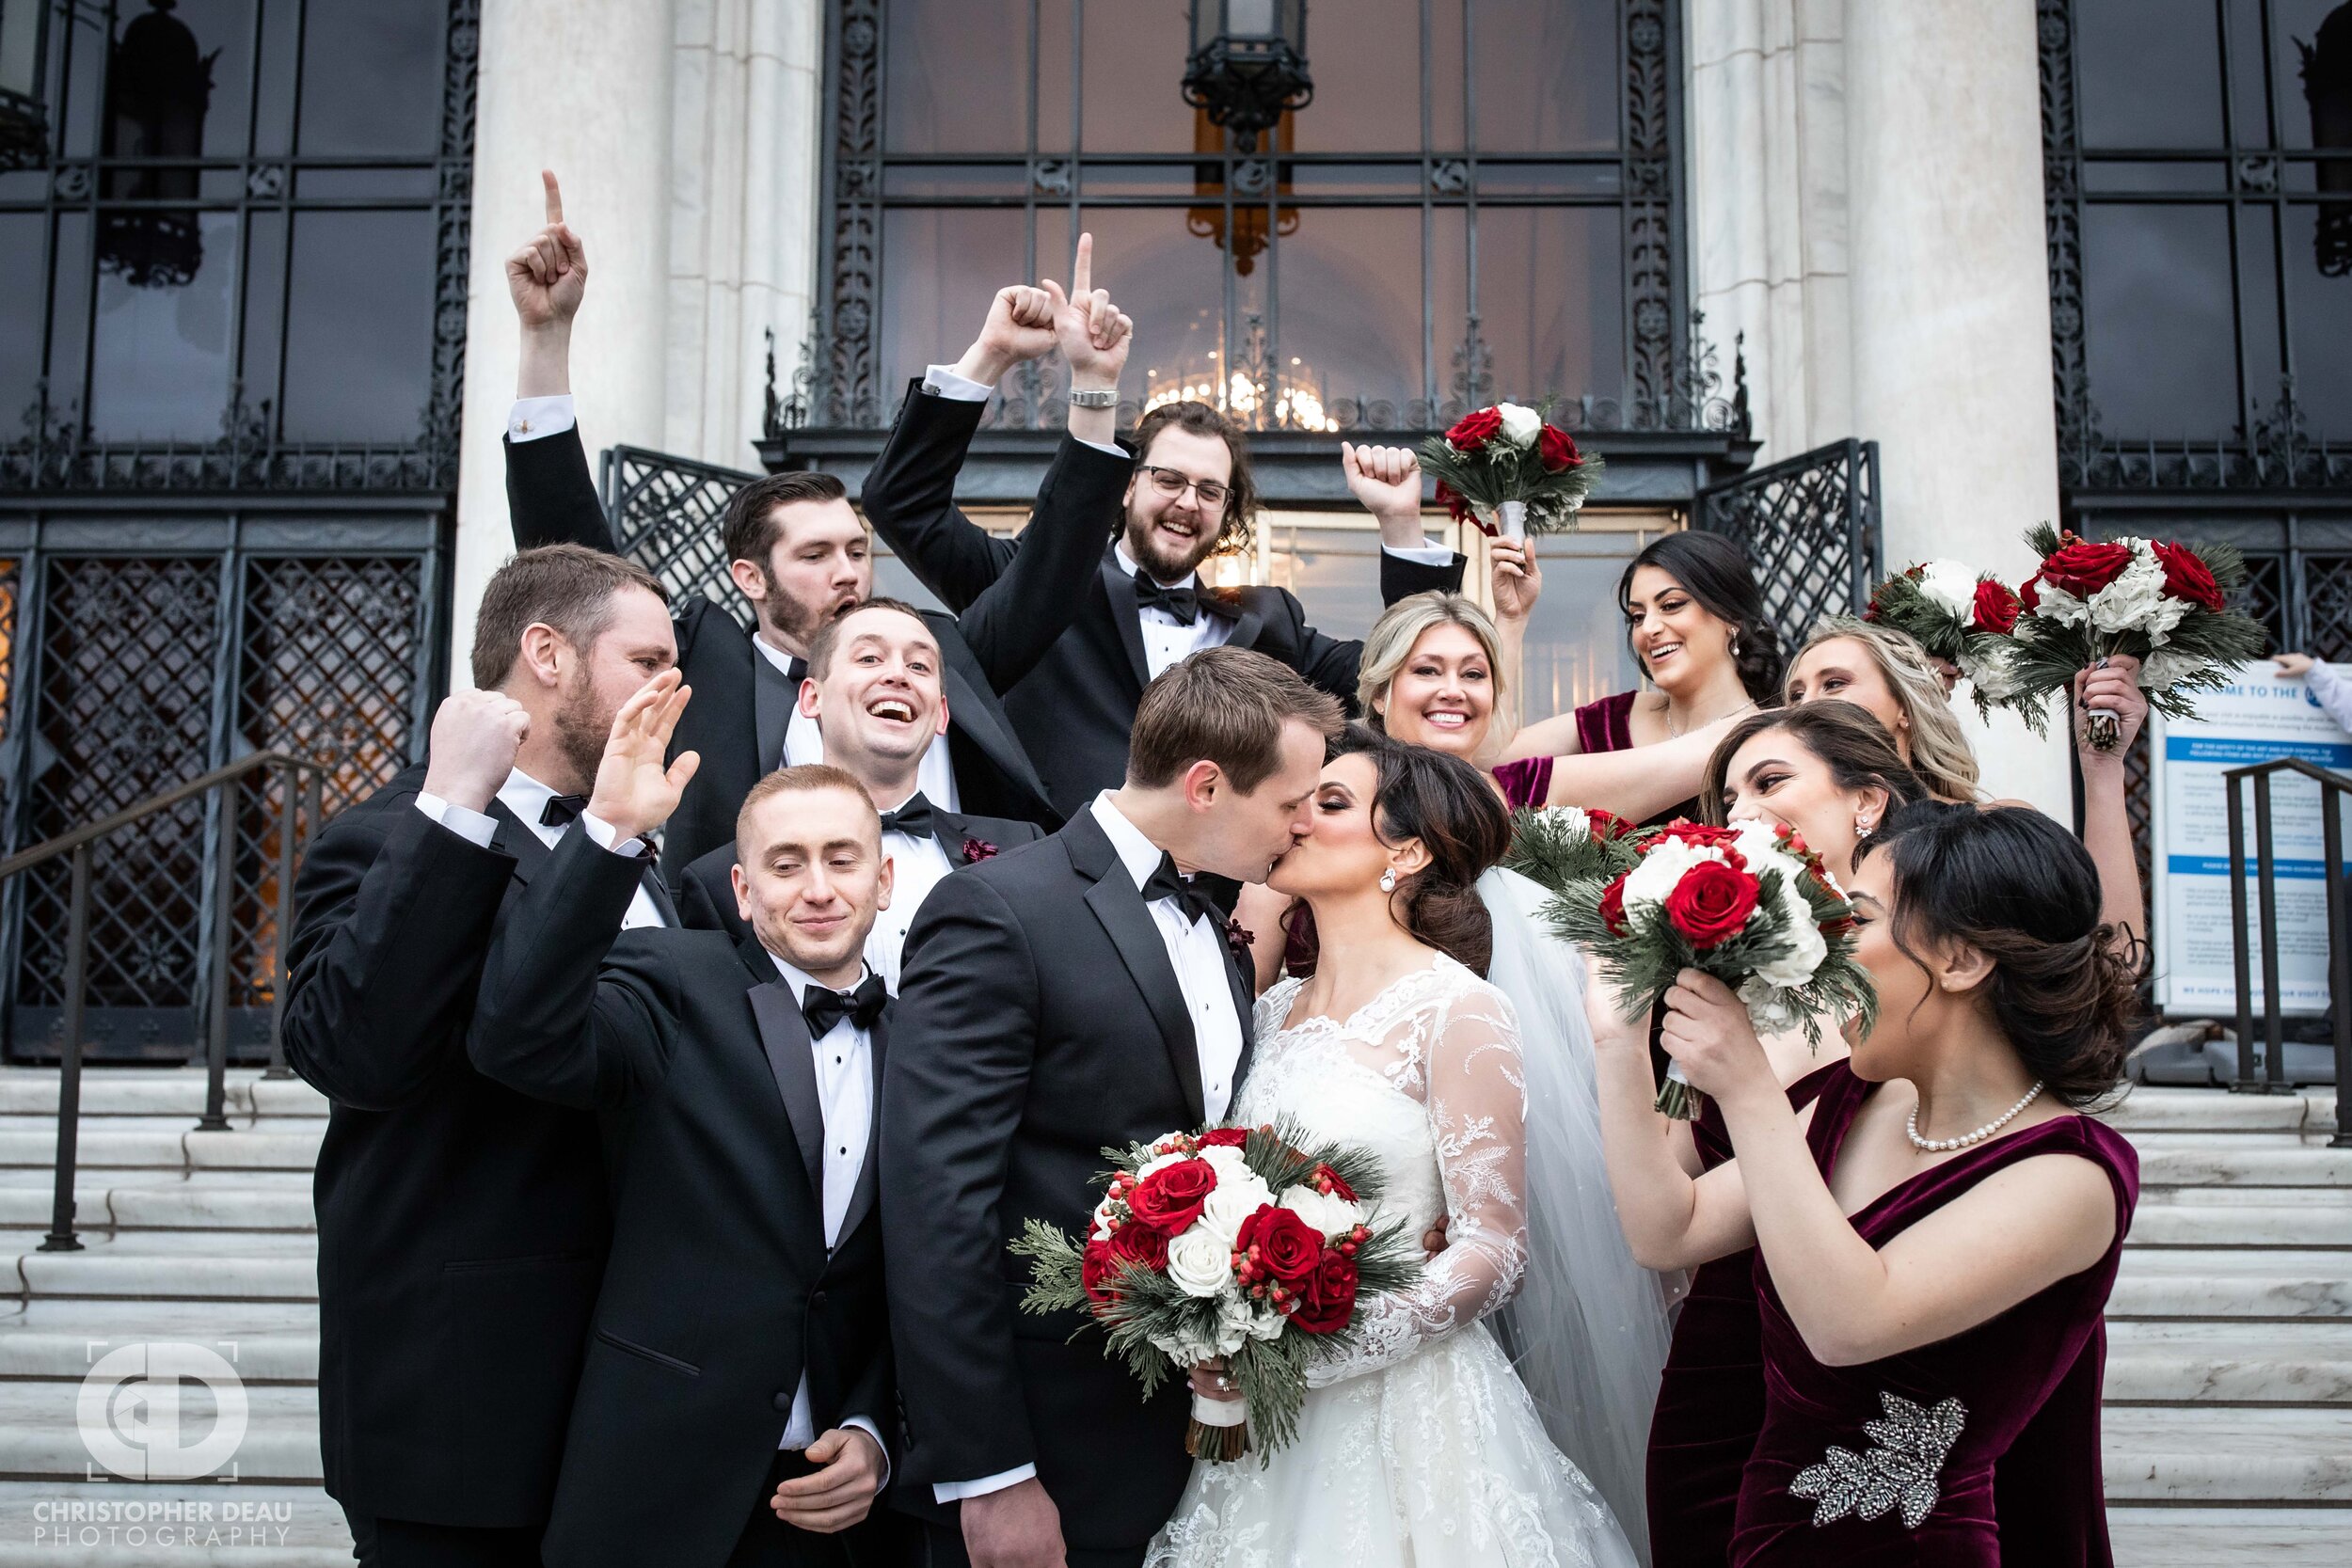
point(1661, 652)
point(1446, 719)
point(896, 709)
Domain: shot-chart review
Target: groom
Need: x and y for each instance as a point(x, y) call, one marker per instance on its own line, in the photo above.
point(1069, 994)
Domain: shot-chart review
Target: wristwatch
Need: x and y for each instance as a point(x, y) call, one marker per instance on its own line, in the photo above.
point(1093, 397)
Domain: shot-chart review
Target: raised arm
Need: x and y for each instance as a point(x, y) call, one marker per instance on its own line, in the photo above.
point(1477, 1108)
point(1641, 780)
point(551, 498)
point(2106, 821)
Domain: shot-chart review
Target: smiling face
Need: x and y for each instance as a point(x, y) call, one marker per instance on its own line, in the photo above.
point(1342, 854)
point(1679, 642)
point(820, 566)
point(809, 878)
point(1444, 696)
point(1170, 535)
point(1842, 668)
point(879, 698)
point(1776, 778)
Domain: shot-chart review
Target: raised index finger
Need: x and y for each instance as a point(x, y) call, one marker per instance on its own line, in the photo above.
point(1081, 271)
point(555, 197)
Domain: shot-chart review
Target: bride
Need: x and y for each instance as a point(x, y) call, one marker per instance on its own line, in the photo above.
point(1419, 1445)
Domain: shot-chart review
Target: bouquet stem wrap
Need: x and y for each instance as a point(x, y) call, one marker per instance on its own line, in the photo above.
point(1219, 1431)
point(1508, 520)
point(1676, 1097)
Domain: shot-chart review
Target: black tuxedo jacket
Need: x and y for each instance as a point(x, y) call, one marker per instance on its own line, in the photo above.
point(742, 704)
point(1039, 1020)
point(461, 1225)
point(720, 1290)
point(705, 893)
point(1073, 711)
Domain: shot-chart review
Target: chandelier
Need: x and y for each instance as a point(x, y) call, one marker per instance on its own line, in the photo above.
point(1250, 392)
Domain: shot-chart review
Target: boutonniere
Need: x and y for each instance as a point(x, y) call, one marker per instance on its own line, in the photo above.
point(1239, 938)
point(978, 849)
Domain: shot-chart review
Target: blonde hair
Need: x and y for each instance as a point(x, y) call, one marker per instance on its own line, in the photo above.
point(1939, 752)
point(1390, 644)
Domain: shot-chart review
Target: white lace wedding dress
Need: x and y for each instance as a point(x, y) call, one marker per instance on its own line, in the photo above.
point(1420, 1448)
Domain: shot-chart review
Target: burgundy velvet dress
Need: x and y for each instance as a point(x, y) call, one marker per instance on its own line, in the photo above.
point(1710, 1400)
point(1894, 1461)
point(1607, 725)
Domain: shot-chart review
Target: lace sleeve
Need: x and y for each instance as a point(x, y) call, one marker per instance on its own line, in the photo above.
point(1477, 1105)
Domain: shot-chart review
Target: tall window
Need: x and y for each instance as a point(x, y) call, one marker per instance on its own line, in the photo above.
point(1480, 201)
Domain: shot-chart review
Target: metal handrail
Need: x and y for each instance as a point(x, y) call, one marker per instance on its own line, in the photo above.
point(76, 844)
point(2332, 877)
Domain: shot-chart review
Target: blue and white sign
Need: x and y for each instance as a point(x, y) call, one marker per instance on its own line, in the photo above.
point(2262, 716)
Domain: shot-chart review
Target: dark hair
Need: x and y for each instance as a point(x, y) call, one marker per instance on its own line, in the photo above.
point(567, 587)
point(2022, 890)
point(748, 532)
point(1226, 705)
point(1241, 490)
point(1847, 737)
point(1451, 808)
point(828, 639)
point(1714, 571)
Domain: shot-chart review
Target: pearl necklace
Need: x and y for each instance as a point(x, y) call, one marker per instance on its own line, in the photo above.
point(1967, 1140)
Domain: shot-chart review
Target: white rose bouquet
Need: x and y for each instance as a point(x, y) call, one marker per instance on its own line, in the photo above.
point(1510, 470)
point(1957, 615)
point(1248, 1244)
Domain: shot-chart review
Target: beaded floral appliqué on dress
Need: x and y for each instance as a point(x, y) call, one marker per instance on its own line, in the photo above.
point(1902, 1471)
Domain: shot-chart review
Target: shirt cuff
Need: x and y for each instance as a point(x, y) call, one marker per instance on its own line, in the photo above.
point(957, 1491)
point(604, 832)
point(533, 418)
point(866, 1425)
point(475, 827)
point(1121, 453)
point(942, 381)
point(1424, 554)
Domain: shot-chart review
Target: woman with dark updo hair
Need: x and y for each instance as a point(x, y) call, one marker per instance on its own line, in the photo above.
point(1938, 1234)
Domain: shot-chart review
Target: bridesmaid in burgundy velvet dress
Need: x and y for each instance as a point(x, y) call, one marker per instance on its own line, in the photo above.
point(1935, 1249)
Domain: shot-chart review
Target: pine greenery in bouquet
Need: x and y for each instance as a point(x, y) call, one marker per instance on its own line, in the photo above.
point(1511, 470)
point(1955, 615)
point(1555, 846)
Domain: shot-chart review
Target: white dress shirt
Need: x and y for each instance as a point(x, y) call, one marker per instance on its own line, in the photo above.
point(803, 744)
point(845, 1088)
point(1197, 951)
point(917, 865)
point(526, 797)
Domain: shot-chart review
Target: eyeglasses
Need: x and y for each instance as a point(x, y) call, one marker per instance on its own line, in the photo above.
point(1168, 483)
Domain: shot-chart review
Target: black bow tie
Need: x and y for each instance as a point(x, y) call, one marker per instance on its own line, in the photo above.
point(914, 819)
point(825, 1008)
point(562, 809)
point(1183, 603)
point(1202, 897)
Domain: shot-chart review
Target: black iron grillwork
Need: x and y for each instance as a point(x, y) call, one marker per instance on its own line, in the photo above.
point(2327, 606)
point(1810, 526)
point(665, 514)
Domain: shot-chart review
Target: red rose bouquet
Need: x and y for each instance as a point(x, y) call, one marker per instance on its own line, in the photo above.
point(1513, 472)
point(1555, 846)
point(1246, 1243)
point(1749, 904)
point(1956, 615)
point(2165, 604)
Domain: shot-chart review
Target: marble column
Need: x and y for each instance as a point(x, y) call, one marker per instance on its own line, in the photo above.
point(582, 86)
point(1949, 282)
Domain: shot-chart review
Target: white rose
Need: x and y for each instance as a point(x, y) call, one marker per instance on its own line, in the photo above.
point(1950, 587)
point(1200, 1262)
point(1103, 1213)
point(1806, 948)
point(1159, 1162)
point(1237, 1196)
point(1573, 818)
point(1329, 1213)
point(2136, 600)
point(1520, 423)
point(1647, 886)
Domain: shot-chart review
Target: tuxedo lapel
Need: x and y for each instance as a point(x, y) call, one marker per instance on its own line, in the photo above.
point(1127, 616)
point(1127, 919)
point(1248, 620)
point(784, 1036)
point(862, 1196)
point(773, 697)
point(1245, 1006)
point(973, 715)
point(658, 891)
point(513, 838)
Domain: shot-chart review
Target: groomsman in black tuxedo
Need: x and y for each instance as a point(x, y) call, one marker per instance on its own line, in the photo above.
point(1145, 606)
point(1069, 995)
point(737, 1394)
point(800, 556)
point(461, 1225)
point(873, 687)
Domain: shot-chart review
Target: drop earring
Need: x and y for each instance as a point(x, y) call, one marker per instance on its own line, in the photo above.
point(1862, 826)
point(1388, 880)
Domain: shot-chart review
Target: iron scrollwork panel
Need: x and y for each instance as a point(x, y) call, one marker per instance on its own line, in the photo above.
point(1810, 526)
point(666, 514)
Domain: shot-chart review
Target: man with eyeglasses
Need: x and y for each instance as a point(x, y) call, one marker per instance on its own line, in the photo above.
point(1189, 496)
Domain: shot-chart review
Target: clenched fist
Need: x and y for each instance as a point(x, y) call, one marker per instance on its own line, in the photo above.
point(475, 734)
point(1387, 480)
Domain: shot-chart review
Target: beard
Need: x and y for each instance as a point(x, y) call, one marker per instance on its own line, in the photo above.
point(582, 725)
point(793, 622)
point(1166, 565)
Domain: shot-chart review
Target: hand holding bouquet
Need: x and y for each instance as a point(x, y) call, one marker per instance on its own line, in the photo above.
point(1748, 904)
point(1555, 846)
point(2165, 604)
point(1510, 471)
point(1248, 1244)
point(1958, 616)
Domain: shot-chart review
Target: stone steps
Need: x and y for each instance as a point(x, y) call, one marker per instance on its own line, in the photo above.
point(2195, 1361)
point(2145, 1537)
point(2232, 1282)
point(2290, 1455)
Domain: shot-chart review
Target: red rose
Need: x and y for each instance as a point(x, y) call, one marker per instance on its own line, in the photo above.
point(1325, 1179)
point(1613, 907)
point(1473, 431)
point(1170, 1197)
point(1281, 1244)
point(2029, 593)
point(1555, 449)
point(2187, 576)
point(2083, 568)
point(1130, 1247)
point(1711, 903)
point(1606, 824)
point(1328, 1299)
point(1996, 608)
point(1225, 1137)
point(1456, 508)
